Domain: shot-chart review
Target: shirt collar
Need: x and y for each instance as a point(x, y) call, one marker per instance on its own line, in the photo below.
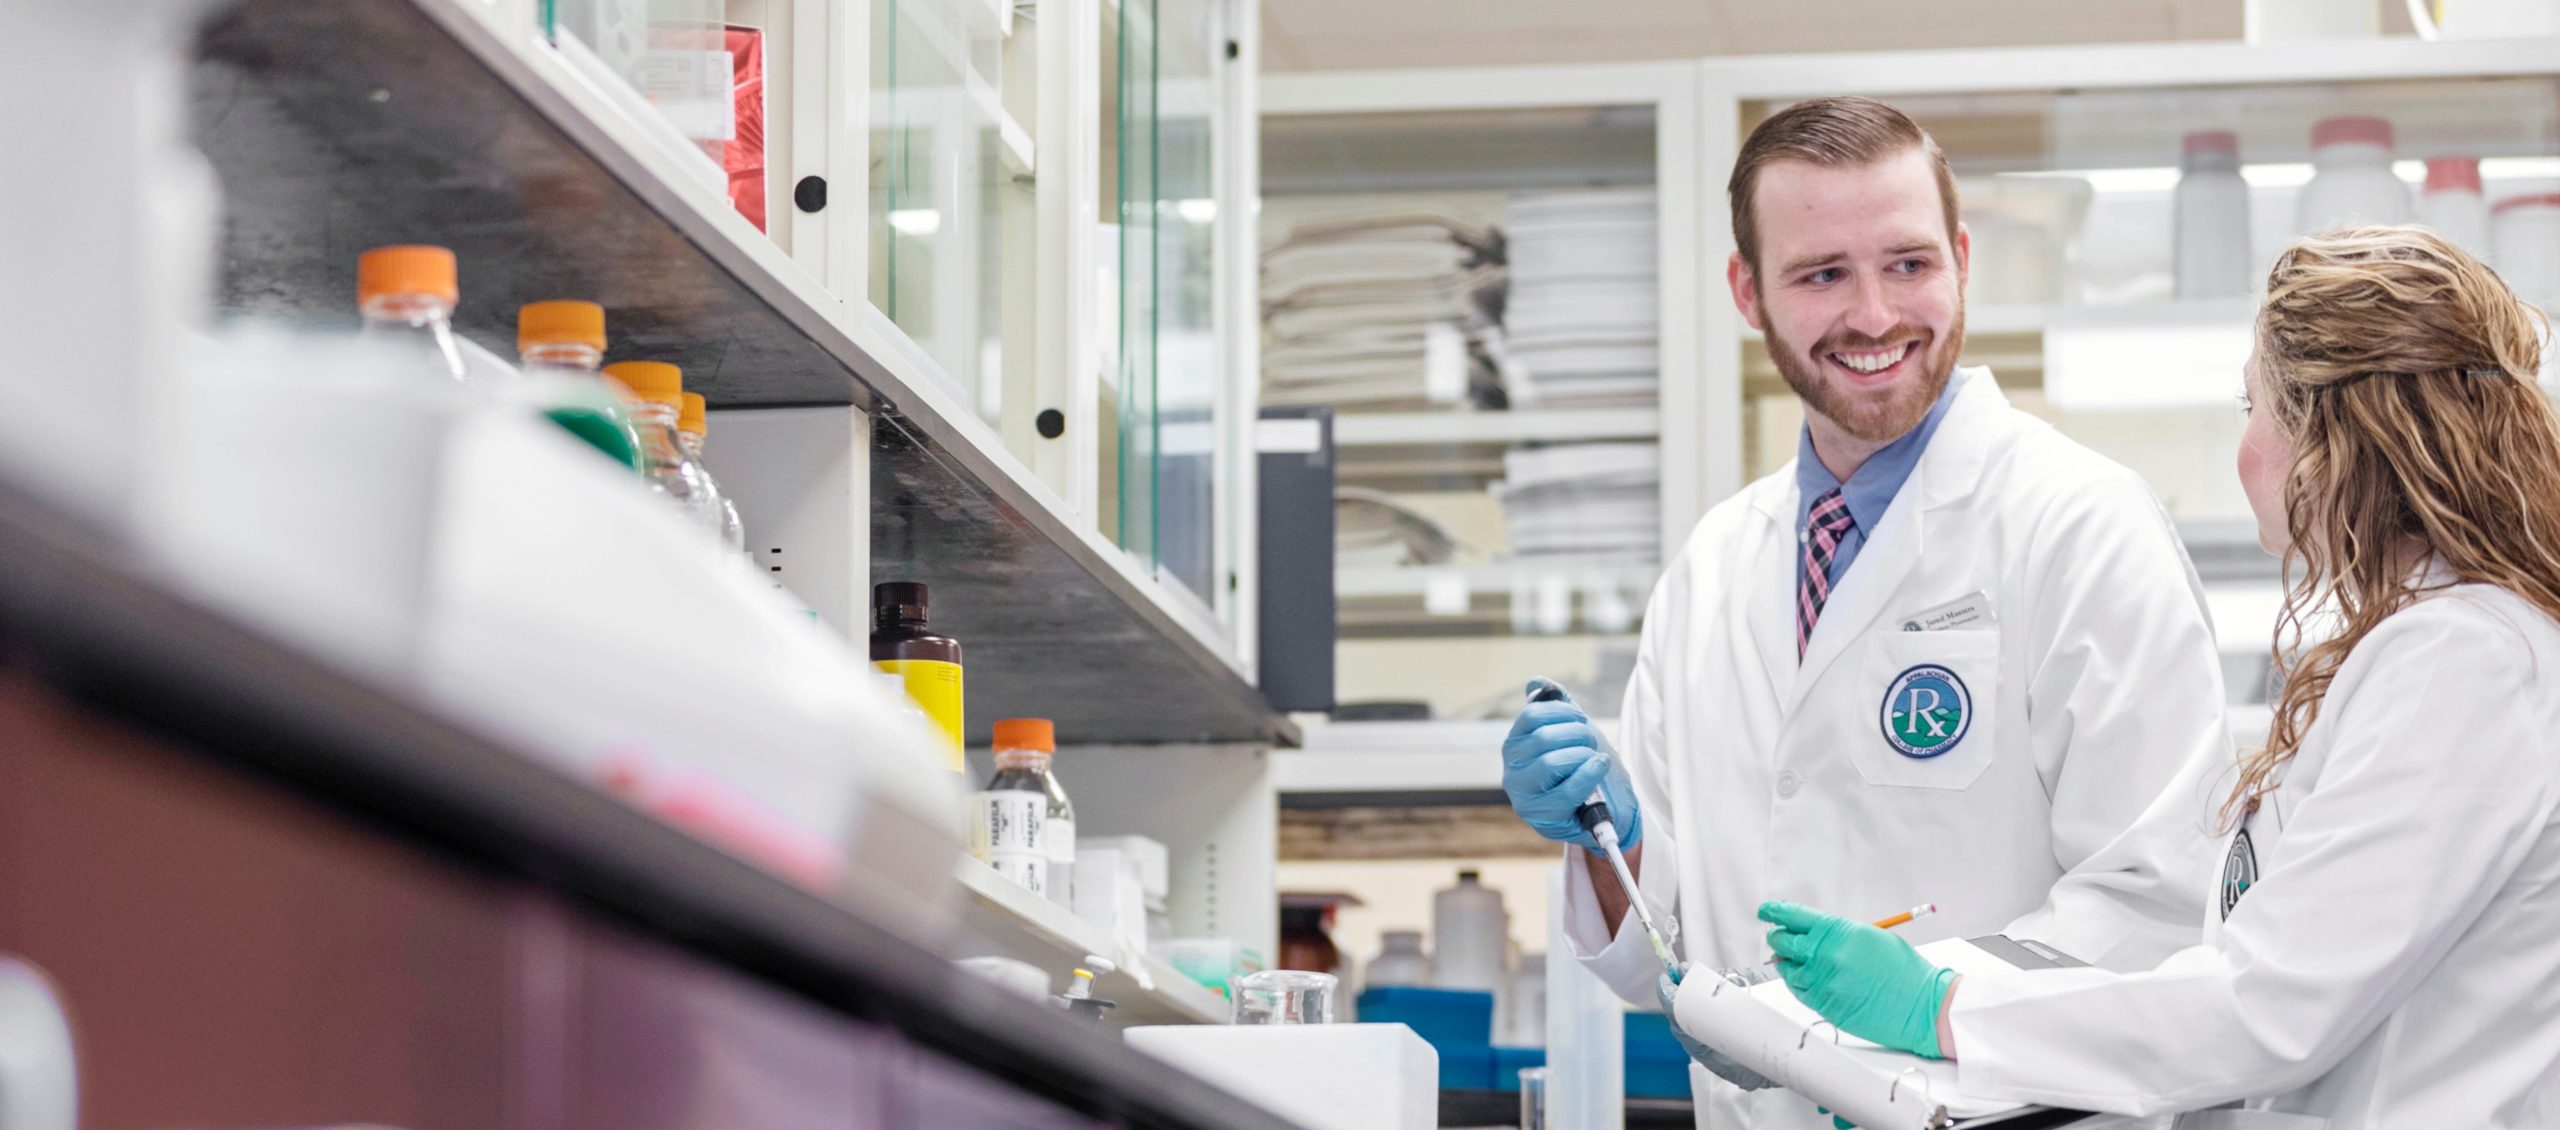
point(1871, 487)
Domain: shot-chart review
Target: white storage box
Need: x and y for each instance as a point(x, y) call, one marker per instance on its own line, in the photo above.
point(1321, 1076)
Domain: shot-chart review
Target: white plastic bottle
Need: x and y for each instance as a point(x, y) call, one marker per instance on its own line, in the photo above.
point(656, 397)
point(1470, 933)
point(693, 426)
point(406, 293)
point(2351, 181)
point(2211, 254)
point(1400, 961)
point(2525, 229)
point(1529, 1001)
point(2452, 203)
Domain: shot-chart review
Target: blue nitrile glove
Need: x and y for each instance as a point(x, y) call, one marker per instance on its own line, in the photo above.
point(1551, 762)
point(1869, 982)
point(1666, 987)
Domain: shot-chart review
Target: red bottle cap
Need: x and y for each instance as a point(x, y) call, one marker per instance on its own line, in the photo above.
point(2453, 174)
point(2351, 130)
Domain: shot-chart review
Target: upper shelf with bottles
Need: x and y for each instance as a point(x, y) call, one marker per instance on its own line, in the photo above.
point(2125, 203)
point(334, 128)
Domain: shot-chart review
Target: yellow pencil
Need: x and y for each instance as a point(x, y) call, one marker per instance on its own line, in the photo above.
point(1921, 911)
point(1889, 922)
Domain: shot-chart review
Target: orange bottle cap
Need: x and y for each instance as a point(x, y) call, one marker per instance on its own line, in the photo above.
point(1027, 733)
point(691, 418)
point(406, 268)
point(650, 380)
point(564, 322)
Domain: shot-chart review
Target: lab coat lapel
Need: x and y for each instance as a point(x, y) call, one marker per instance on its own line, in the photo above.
point(1946, 473)
point(1769, 575)
point(1892, 551)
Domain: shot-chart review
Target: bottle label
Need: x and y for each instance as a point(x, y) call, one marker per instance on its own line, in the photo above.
point(1025, 868)
point(1008, 823)
point(935, 686)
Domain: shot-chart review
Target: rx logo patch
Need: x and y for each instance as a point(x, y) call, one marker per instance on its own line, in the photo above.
point(1926, 711)
point(2239, 871)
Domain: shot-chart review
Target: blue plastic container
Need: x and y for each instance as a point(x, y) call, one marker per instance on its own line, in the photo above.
point(1444, 1018)
point(1507, 1063)
point(1466, 1068)
point(1657, 1066)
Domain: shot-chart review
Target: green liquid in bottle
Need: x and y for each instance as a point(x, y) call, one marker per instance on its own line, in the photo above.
point(605, 429)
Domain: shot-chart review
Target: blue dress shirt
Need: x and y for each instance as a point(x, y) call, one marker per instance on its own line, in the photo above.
point(1871, 487)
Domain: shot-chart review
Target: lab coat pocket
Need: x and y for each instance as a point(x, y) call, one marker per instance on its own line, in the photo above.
point(1932, 708)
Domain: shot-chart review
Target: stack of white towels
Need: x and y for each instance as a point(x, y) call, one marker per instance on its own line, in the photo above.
point(1379, 311)
point(1597, 501)
point(1583, 324)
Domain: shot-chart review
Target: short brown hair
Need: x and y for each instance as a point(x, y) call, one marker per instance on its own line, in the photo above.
point(1832, 133)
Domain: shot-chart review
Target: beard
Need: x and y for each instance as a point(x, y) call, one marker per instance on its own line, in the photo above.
point(1875, 417)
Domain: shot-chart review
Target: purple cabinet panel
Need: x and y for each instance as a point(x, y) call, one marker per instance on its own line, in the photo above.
point(665, 1042)
point(934, 1093)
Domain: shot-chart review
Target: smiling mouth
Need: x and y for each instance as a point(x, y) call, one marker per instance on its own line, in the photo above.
point(1870, 366)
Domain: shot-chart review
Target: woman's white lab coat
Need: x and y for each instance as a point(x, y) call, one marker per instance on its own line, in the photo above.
point(2391, 951)
point(2042, 580)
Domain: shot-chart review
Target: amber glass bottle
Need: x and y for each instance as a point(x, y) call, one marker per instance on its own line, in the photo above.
point(904, 644)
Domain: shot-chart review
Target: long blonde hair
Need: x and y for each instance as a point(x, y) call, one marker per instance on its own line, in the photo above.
point(2402, 371)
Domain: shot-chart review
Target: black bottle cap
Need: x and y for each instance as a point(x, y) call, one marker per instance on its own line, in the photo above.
point(899, 602)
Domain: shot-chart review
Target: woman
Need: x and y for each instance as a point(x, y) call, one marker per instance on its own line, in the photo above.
point(2384, 948)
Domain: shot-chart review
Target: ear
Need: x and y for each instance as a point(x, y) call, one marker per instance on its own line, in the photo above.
point(1964, 253)
point(1746, 292)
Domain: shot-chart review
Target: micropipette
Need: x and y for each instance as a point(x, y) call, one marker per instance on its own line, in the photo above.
point(1593, 815)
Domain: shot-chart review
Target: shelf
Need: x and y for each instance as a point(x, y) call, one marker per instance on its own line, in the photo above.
point(1398, 758)
point(1418, 581)
point(1309, 149)
point(1015, 923)
point(335, 127)
point(102, 631)
point(1415, 429)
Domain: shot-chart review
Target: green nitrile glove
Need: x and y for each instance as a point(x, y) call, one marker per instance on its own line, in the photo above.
point(1869, 982)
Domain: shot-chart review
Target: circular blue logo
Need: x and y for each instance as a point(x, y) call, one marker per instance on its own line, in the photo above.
point(2239, 871)
point(1926, 712)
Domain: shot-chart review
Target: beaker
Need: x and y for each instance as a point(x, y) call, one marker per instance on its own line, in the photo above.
point(1283, 996)
point(1533, 1098)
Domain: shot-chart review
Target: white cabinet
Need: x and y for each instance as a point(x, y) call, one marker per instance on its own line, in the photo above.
point(1489, 276)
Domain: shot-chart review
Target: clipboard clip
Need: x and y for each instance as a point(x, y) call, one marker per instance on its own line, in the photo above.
point(1937, 1119)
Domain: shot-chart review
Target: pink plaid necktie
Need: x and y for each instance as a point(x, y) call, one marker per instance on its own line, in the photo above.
point(1828, 522)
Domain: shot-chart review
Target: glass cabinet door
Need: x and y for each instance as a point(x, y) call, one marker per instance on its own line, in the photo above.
point(951, 193)
point(1477, 295)
point(696, 74)
point(1161, 369)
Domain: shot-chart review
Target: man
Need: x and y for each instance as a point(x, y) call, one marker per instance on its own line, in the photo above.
point(1947, 655)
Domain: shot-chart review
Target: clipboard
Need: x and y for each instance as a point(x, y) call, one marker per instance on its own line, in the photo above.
point(1767, 1030)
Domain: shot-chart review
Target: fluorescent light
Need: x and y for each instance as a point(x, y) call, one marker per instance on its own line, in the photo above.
point(2515, 168)
point(1197, 210)
point(915, 221)
point(2291, 174)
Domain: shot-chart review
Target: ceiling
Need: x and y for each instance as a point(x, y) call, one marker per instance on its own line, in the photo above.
point(1325, 35)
